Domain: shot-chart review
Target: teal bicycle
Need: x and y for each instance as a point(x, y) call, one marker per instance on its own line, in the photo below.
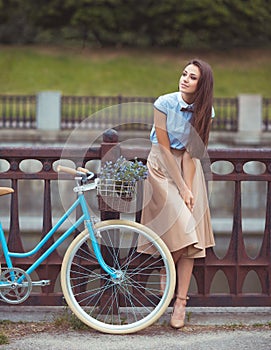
point(110, 274)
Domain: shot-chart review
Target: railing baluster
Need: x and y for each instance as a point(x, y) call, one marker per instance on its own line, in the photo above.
point(14, 238)
point(50, 269)
point(264, 255)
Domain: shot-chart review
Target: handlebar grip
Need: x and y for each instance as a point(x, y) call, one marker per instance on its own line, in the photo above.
point(83, 170)
point(65, 169)
point(89, 173)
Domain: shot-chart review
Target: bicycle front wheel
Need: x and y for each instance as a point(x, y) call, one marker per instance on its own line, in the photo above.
point(134, 299)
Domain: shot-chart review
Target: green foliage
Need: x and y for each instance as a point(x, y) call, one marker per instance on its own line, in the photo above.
point(121, 23)
point(3, 339)
point(119, 178)
point(15, 23)
point(123, 170)
point(68, 320)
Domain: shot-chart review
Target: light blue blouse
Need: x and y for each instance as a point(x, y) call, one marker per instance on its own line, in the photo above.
point(178, 125)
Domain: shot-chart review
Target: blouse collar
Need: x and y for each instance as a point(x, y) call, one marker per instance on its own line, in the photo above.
point(183, 104)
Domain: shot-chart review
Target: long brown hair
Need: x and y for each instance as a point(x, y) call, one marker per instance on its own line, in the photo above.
point(203, 102)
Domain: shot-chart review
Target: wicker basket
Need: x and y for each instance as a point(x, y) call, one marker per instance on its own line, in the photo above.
point(114, 195)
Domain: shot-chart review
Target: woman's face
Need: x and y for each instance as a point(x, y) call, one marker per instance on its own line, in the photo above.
point(189, 80)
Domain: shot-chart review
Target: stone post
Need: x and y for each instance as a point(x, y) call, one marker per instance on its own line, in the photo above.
point(49, 111)
point(249, 119)
point(250, 133)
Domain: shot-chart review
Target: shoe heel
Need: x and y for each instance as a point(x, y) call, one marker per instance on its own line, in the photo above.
point(178, 321)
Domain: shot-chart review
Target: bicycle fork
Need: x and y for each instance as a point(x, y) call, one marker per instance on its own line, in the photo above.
point(97, 251)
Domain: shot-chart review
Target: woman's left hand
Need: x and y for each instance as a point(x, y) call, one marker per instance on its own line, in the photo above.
point(189, 199)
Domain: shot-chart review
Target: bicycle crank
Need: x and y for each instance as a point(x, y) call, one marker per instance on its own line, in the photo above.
point(15, 285)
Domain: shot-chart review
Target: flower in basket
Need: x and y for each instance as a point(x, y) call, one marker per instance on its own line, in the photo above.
point(119, 178)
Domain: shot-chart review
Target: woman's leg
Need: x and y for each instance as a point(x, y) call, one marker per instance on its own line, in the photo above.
point(184, 272)
point(184, 268)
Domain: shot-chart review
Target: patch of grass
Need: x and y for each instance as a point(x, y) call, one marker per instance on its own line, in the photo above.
point(188, 316)
point(102, 72)
point(68, 320)
point(163, 324)
point(235, 325)
point(5, 322)
point(256, 325)
point(3, 339)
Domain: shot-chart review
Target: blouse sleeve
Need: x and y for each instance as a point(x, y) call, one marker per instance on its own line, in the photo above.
point(161, 105)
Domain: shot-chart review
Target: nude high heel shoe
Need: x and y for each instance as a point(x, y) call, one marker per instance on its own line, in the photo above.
point(178, 314)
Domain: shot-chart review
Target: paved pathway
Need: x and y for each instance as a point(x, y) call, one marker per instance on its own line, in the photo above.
point(163, 339)
point(206, 330)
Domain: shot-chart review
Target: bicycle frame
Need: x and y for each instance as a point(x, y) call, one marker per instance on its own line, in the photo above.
point(85, 217)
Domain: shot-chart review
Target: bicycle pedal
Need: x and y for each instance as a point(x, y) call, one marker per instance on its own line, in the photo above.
point(41, 283)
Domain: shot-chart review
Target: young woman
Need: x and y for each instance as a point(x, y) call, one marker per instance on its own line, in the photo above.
point(175, 198)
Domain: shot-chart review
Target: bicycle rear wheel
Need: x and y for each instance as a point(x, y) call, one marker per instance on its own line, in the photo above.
point(130, 302)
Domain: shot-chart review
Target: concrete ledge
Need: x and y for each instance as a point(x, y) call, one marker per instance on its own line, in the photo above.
point(31, 137)
point(229, 315)
point(204, 316)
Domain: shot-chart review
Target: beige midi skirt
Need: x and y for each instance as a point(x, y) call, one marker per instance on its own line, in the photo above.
point(165, 212)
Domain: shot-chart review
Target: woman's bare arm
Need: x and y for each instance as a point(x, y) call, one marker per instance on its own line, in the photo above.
point(169, 160)
point(189, 170)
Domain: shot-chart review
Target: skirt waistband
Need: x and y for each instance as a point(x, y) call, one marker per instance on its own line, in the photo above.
point(176, 152)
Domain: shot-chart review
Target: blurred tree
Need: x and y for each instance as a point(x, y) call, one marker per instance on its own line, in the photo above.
point(15, 26)
point(172, 23)
point(225, 23)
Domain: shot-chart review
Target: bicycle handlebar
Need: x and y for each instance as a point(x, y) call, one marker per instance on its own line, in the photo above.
point(87, 172)
point(65, 169)
point(79, 171)
point(84, 170)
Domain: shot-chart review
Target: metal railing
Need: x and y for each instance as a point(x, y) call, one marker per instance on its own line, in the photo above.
point(226, 110)
point(20, 112)
point(95, 112)
point(236, 264)
point(135, 114)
